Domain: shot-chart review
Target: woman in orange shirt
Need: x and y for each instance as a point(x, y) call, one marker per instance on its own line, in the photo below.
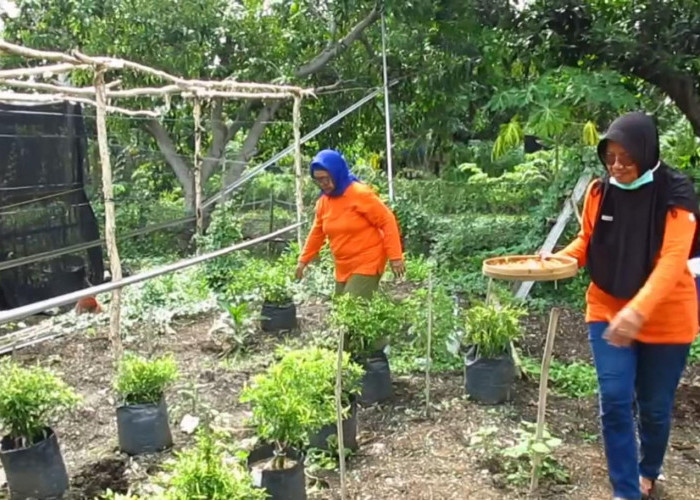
point(639, 224)
point(362, 231)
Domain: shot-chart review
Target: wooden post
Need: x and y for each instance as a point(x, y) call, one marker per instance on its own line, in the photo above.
point(199, 220)
point(115, 265)
point(489, 291)
point(339, 413)
point(542, 404)
point(297, 167)
point(429, 350)
point(272, 219)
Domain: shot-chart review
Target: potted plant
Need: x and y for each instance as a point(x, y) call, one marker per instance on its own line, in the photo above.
point(30, 398)
point(489, 331)
point(279, 313)
point(205, 471)
point(291, 401)
point(368, 325)
point(142, 417)
point(318, 367)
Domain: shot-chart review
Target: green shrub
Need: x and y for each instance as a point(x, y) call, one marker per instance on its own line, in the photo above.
point(142, 381)
point(296, 396)
point(575, 380)
point(461, 238)
point(30, 398)
point(367, 322)
point(154, 304)
point(491, 329)
point(417, 268)
point(409, 352)
point(416, 224)
point(260, 280)
point(275, 283)
point(694, 356)
point(224, 230)
point(202, 473)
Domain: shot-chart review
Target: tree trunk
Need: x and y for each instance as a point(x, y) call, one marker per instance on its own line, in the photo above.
point(250, 144)
point(222, 134)
point(681, 88)
point(181, 168)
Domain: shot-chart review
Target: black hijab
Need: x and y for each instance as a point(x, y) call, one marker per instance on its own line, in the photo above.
point(629, 227)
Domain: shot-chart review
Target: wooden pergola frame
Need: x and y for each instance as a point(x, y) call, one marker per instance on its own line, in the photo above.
point(99, 96)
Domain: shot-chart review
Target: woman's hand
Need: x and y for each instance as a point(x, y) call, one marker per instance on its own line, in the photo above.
point(624, 327)
point(299, 273)
point(398, 268)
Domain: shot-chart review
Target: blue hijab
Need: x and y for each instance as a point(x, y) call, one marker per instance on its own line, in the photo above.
point(333, 162)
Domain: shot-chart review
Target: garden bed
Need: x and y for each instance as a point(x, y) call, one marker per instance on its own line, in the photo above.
point(402, 453)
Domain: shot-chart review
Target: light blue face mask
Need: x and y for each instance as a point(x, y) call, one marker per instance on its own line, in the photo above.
point(640, 181)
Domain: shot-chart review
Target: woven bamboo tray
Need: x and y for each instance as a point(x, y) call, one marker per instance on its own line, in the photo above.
point(530, 268)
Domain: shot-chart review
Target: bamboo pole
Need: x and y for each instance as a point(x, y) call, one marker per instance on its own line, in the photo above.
point(78, 60)
point(110, 225)
point(49, 69)
point(339, 413)
point(165, 91)
point(298, 175)
point(198, 214)
point(542, 403)
point(429, 350)
point(53, 98)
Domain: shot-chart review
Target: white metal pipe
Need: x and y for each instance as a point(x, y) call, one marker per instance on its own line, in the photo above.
point(387, 116)
point(24, 311)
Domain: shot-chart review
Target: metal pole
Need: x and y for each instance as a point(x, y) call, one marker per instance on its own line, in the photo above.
point(387, 116)
point(22, 312)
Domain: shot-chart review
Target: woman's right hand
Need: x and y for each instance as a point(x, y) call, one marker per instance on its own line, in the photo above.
point(299, 273)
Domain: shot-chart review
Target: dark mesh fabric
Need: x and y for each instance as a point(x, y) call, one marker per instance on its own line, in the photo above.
point(43, 204)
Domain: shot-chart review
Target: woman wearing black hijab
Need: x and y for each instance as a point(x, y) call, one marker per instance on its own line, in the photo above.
point(638, 230)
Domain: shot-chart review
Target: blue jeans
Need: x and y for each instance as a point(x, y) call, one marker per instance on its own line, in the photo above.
point(641, 377)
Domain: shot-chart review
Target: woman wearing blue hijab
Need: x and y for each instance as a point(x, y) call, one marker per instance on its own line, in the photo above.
point(362, 230)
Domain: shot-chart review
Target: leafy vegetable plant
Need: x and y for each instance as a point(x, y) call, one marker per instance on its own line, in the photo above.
point(367, 321)
point(296, 397)
point(203, 473)
point(141, 381)
point(30, 398)
point(491, 329)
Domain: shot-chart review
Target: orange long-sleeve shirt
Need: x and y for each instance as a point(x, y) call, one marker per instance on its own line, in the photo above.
point(668, 300)
point(362, 231)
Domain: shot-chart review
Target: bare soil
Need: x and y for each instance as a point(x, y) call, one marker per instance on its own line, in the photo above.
point(404, 453)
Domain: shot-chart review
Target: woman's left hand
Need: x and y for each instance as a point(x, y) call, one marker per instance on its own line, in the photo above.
point(624, 327)
point(398, 268)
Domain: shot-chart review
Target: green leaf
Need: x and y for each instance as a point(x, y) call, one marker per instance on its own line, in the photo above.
point(540, 447)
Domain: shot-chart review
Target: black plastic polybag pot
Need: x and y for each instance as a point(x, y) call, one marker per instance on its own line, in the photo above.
point(144, 428)
point(376, 382)
point(320, 439)
point(489, 380)
point(37, 471)
point(283, 484)
point(276, 318)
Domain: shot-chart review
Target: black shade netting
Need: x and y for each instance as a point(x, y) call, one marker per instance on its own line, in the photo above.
point(43, 203)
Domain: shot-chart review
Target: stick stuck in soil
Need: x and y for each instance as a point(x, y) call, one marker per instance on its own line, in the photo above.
point(542, 404)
